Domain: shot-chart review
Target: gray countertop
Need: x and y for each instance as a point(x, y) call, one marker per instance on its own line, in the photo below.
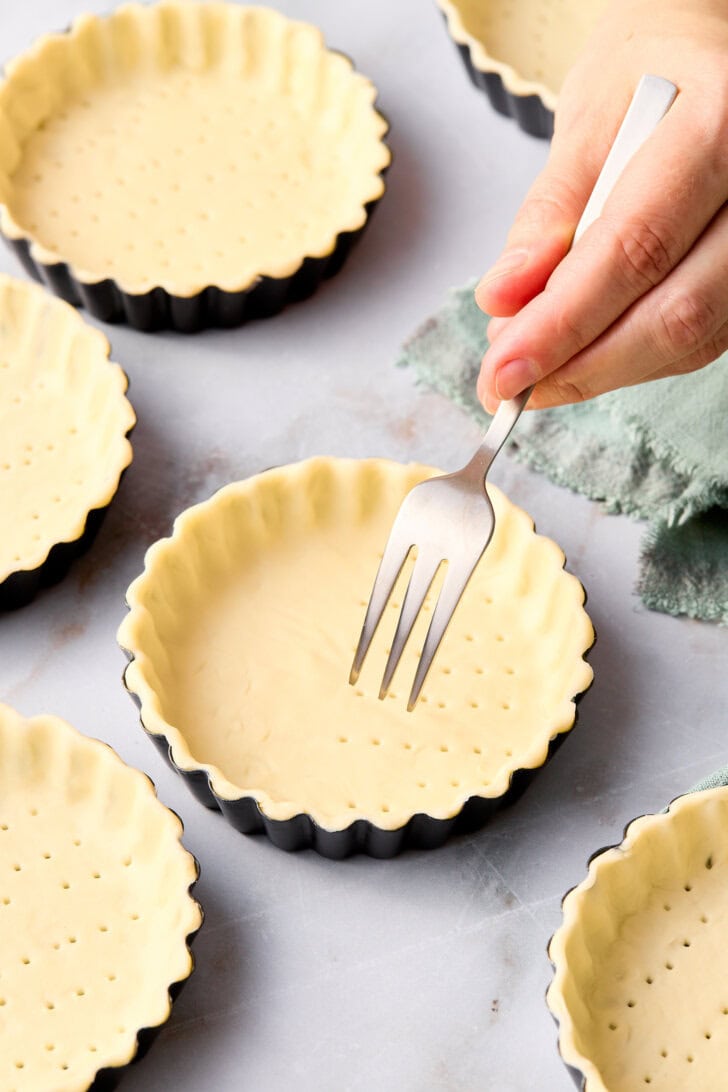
point(428, 971)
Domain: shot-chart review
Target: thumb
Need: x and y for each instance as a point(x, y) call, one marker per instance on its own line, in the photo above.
point(543, 229)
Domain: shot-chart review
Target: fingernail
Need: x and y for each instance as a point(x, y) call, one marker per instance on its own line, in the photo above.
point(514, 376)
point(507, 263)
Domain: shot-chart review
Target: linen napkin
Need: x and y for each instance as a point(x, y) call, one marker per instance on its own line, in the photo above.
point(657, 451)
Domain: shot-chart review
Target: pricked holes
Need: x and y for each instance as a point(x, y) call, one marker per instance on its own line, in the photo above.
point(649, 980)
point(351, 804)
point(441, 705)
point(631, 1004)
point(343, 739)
point(703, 919)
point(477, 751)
point(686, 944)
point(709, 863)
point(499, 637)
point(687, 887)
point(666, 906)
point(612, 1027)
point(385, 807)
point(103, 928)
point(663, 1053)
point(447, 671)
point(444, 748)
point(80, 992)
point(708, 1035)
point(668, 966)
point(127, 862)
point(469, 637)
point(25, 961)
point(407, 746)
point(474, 705)
point(376, 743)
point(689, 1058)
point(505, 706)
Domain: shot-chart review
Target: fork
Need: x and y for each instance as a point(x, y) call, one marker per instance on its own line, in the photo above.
point(450, 518)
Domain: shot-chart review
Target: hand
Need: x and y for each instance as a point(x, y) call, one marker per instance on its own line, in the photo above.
point(644, 293)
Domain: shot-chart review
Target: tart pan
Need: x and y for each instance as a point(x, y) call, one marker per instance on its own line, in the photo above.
point(518, 54)
point(64, 427)
point(96, 907)
point(186, 164)
point(639, 988)
point(240, 635)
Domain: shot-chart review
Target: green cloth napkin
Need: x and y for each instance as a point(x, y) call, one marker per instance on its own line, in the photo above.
point(657, 451)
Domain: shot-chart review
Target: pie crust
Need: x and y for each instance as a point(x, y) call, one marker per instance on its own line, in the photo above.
point(519, 53)
point(186, 163)
point(640, 969)
point(95, 904)
point(64, 425)
point(241, 633)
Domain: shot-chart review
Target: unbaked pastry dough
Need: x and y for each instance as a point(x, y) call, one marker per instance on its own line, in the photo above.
point(243, 627)
point(531, 44)
point(95, 908)
point(63, 424)
point(186, 145)
point(641, 969)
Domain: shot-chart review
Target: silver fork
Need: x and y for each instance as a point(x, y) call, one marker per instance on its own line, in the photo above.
point(450, 518)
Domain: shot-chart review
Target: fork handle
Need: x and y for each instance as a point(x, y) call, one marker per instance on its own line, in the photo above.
point(651, 101)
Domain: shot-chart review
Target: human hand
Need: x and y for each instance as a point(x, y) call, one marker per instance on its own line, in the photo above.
point(644, 293)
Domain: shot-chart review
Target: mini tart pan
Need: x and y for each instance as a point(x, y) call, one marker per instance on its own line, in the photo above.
point(64, 428)
point(96, 908)
point(519, 54)
point(640, 986)
point(240, 636)
point(186, 164)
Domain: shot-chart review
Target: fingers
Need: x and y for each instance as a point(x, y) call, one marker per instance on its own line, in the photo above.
point(677, 327)
point(666, 197)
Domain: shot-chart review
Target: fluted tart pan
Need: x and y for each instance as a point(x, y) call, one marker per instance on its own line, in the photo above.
point(186, 164)
point(96, 909)
point(240, 635)
point(65, 422)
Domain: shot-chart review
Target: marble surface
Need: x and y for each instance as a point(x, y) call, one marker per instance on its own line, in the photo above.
point(426, 972)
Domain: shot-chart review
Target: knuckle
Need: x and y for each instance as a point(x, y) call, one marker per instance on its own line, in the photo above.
point(714, 347)
point(684, 324)
point(568, 331)
point(645, 253)
point(552, 198)
point(564, 390)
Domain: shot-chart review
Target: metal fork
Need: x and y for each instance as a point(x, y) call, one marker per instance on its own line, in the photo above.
point(450, 518)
